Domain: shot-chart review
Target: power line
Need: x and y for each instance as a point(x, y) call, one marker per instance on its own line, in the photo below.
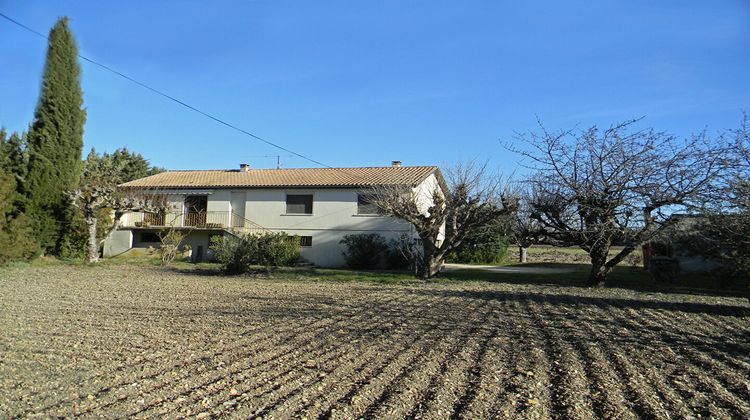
point(173, 99)
point(278, 158)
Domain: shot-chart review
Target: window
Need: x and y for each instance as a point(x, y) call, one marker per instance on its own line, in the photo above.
point(364, 206)
point(299, 204)
point(305, 241)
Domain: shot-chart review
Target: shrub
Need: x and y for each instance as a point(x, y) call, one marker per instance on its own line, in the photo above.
point(234, 254)
point(16, 242)
point(481, 253)
point(16, 233)
point(277, 249)
point(486, 245)
point(363, 250)
point(238, 254)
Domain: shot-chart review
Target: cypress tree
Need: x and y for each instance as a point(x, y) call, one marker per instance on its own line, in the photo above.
point(55, 141)
point(15, 164)
point(3, 149)
point(15, 158)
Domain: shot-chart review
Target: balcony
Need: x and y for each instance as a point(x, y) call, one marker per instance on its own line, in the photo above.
point(210, 220)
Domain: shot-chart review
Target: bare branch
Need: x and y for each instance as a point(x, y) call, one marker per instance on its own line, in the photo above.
point(444, 214)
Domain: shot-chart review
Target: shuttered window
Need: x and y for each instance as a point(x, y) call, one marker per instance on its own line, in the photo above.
point(299, 204)
point(364, 206)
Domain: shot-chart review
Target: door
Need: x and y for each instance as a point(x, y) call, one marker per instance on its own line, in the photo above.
point(195, 210)
point(238, 208)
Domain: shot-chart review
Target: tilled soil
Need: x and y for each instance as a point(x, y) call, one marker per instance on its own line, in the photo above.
point(150, 342)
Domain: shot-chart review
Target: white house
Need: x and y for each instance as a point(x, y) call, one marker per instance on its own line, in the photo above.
point(320, 205)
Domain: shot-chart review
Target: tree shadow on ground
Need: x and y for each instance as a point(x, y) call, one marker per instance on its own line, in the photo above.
point(299, 273)
point(555, 297)
point(631, 278)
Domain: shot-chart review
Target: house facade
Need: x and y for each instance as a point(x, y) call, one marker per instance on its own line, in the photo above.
point(320, 205)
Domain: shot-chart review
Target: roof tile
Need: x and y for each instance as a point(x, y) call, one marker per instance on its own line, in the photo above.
point(303, 177)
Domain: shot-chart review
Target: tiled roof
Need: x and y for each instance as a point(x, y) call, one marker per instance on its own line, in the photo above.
point(308, 177)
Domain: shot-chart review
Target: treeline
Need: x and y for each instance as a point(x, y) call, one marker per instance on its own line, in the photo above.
point(41, 170)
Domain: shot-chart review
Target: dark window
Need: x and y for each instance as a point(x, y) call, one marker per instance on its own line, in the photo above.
point(196, 204)
point(149, 237)
point(195, 210)
point(305, 241)
point(364, 206)
point(299, 204)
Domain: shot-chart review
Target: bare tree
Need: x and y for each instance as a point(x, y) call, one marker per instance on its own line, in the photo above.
point(443, 216)
point(171, 240)
point(620, 185)
point(525, 229)
point(724, 233)
point(98, 190)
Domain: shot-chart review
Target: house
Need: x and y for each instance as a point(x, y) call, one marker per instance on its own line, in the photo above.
point(320, 205)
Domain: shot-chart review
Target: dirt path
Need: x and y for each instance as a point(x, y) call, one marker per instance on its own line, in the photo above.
point(146, 342)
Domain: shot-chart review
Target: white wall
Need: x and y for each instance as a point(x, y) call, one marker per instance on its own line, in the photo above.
point(218, 207)
point(424, 193)
point(334, 216)
point(332, 209)
point(175, 206)
point(118, 242)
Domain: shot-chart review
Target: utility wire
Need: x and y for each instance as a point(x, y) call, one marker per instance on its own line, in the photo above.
point(173, 99)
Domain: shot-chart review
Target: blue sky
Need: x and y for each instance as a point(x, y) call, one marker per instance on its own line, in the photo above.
point(364, 83)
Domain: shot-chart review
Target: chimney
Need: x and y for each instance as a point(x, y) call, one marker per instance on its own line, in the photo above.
point(244, 167)
point(396, 163)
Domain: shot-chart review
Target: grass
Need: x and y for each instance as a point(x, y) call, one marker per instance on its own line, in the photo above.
point(576, 275)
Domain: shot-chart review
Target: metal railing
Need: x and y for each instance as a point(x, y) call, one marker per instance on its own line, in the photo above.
point(224, 220)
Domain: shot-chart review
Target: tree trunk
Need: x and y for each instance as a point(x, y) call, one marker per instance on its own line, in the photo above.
point(92, 252)
point(599, 269)
point(432, 260)
point(598, 276)
point(431, 267)
point(522, 254)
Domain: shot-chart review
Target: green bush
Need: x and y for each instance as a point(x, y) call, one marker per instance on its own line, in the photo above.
point(485, 245)
point(363, 250)
point(234, 254)
point(239, 254)
point(277, 249)
point(481, 253)
point(16, 234)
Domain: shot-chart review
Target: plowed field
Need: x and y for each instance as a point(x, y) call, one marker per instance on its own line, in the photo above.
point(123, 341)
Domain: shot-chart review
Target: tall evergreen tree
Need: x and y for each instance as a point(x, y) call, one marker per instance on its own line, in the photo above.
point(3, 149)
point(55, 140)
point(16, 159)
point(133, 165)
point(15, 165)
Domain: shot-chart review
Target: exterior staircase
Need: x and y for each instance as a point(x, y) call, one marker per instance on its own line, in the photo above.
point(243, 226)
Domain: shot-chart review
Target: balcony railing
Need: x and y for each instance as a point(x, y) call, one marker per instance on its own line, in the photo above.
point(219, 220)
